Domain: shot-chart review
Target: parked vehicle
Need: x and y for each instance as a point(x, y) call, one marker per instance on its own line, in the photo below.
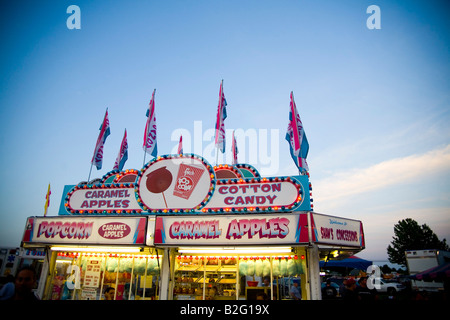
point(421, 260)
point(389, 287)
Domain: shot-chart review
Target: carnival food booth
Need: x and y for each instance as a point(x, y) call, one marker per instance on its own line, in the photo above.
point(183, 229)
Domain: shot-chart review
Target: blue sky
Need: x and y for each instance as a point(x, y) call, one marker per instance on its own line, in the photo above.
point(375, 104)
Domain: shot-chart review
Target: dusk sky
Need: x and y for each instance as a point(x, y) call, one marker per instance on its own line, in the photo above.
point(375, 103)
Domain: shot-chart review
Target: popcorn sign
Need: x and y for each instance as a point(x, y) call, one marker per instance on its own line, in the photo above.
point(83, 231)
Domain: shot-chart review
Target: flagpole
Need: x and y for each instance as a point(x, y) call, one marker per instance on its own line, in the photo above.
point(89, 174)
point(217, 155)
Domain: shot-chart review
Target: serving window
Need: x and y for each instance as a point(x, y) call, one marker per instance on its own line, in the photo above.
point(239, 277)
point(105, 276)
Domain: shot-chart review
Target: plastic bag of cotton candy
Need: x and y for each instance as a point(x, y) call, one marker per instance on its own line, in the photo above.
point(112, 265)
point(126, 265)
point(294, 266)
point(276, 267)
point(250, 267)
point(262, 267)
point(243, 267)
point(153, 266)
point(84, 262)
point(139, 266)
point(258, 268)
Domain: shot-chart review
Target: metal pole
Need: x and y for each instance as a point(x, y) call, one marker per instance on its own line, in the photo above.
point(89, 174)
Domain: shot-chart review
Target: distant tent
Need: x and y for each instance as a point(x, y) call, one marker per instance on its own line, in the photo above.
point(351, 262)
point(439, 273)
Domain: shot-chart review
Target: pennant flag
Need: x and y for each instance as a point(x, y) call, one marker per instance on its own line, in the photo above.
point(122, 157)
point(296, 137)
point(221, 116)
point(97, 158)
point(234, 149)
point(150, 145)
point(47, 200)
point(180, 145)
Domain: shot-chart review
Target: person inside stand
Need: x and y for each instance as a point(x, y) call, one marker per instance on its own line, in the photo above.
point(262, 296)
point(24, 284)
point(212, 293)
point(349, 293)
point(363, 292)
point(266, 283)
point(7, 290)
point(329, 292)
point(109, 293)
point(294, 292)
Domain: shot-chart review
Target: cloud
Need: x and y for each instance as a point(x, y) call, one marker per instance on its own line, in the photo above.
point(381, 175)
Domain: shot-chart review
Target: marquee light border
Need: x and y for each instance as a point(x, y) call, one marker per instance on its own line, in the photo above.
point(176, 210)
point(117, 175)
point(260, 209)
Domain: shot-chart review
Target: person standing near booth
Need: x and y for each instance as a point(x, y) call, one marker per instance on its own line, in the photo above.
point(294, 292)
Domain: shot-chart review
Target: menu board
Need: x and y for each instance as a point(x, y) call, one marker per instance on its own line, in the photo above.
point(92, 274)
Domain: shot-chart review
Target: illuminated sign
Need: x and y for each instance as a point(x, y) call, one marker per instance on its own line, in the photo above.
point(177, 183)
point(80, 230)
point(253, 194)
point(337, 231)
point(230, 230)
point(187, 184)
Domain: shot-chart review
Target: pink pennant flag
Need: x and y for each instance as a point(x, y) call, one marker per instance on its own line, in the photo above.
point(47, 200)
point(234, 149)
point(122, 157)
point(97, 158)
point(150, 145)
point(180, 145)
point(296, 137)
point(221, 116)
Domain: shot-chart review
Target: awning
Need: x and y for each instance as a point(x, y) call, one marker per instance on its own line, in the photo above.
point(438, 273)
point(351, 262)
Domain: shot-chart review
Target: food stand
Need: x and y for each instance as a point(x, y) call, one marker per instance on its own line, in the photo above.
point(183, 229)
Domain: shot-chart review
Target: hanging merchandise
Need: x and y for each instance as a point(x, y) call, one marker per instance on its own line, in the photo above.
point(276, 267)
point(299, 265)
point(266, 267)
point(112, 264)
point(250, 267)
point(126, 265)
point(152, 266)
point(139, 266)
point(291, 267)
point(243, 267)
point(283, 267)
point(258, 268)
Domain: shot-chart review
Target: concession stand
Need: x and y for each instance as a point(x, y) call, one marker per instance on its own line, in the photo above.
point(182, 229)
